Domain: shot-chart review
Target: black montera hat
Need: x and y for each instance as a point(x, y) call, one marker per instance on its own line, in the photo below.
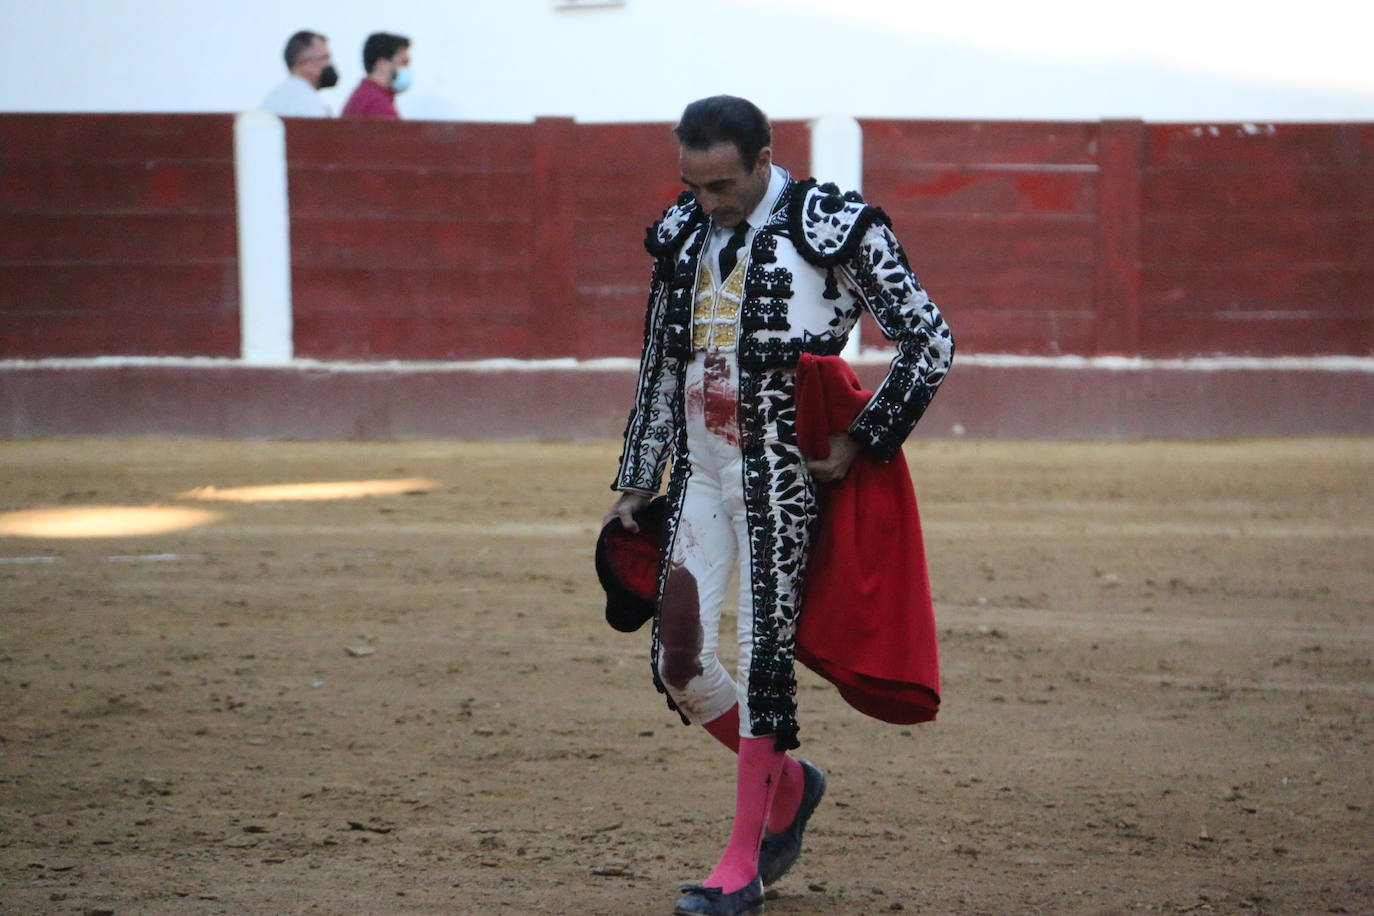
point(627, 564)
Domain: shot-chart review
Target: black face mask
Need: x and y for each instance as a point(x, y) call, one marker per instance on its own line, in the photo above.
point(329, 77)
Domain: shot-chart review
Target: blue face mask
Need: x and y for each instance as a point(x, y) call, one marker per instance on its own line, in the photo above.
point(402, 81)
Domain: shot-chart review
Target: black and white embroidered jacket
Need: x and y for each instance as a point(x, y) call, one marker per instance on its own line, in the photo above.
point(821, 259)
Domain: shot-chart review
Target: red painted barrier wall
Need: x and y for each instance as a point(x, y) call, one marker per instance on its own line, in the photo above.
point(399, 247)
point(117, 236)
point(1162, 240)
point(1257, 239)
point(999, 221)
point(444, 240)
point(469, 241)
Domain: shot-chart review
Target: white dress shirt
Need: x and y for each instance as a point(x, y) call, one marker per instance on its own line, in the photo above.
point(296, 98)
point(756, 218)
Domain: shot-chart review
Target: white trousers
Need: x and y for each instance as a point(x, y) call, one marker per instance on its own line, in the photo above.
point(711, 537)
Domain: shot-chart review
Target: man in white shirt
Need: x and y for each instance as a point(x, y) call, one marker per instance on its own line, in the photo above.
point(311, 69)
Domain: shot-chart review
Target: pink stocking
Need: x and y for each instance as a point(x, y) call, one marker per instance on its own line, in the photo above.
point(725, 729)
point(760, 767)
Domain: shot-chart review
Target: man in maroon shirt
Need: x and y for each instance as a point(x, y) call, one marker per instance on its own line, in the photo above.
point(386, 58)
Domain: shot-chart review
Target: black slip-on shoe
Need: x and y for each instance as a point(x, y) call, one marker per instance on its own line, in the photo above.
point(712, 901)
point(780, 850)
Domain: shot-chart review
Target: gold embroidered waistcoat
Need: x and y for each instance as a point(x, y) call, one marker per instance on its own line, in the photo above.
point(715, 310)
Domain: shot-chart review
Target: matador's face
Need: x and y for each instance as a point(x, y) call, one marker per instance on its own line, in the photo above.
point(726, 189)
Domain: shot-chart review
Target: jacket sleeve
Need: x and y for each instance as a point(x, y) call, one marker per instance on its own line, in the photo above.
point(650, 429)
point(881, 277)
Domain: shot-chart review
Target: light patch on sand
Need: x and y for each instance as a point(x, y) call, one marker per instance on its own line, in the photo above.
point(308, 492)
point(103, 521)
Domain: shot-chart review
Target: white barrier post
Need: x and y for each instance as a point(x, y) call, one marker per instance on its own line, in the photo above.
point(264, 239)
point(837, 154)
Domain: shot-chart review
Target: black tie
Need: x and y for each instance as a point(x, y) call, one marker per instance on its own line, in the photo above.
point(730, 253)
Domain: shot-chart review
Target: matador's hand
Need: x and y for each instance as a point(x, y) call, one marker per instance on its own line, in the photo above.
point(625, 507)
point(832, 469)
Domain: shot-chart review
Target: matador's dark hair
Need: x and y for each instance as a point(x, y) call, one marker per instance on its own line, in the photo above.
point(725, 119)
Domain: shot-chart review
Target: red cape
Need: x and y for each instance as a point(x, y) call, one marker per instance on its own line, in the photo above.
point(867, 624)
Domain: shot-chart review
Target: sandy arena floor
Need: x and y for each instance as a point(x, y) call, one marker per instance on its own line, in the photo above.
point(1158, 674)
